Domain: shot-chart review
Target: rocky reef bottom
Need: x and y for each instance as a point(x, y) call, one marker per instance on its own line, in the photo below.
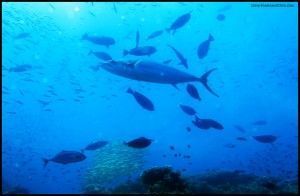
point(165, 180)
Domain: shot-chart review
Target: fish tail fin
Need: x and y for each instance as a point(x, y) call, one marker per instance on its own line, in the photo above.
point(203, 80)
point(211, 38)
point(91, 52)
point(125, 52)
point(129, 90)
point(85, 36)
point(46, 161)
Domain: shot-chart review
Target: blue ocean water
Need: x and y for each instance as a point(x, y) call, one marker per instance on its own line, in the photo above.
point(56, 96)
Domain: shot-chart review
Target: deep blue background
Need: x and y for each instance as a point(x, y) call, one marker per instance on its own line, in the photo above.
point(255, 51)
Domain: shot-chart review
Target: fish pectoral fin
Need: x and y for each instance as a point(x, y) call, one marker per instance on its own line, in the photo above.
point(174, 85)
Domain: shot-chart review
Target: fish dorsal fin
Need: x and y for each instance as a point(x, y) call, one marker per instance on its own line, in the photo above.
point(133, 64)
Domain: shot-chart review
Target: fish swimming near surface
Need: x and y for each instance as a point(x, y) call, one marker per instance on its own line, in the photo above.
point(155, 72)
point(51, 6)
point(22, 36)
point(265, 138)
point(179, 22)
point(187, 109)
point(224, 8)
point(141, 99)
point(183, 60)
point(95, 145)
point(155, 34)
point(99, 40)
point(20, 68)
point(204, 47)
point(193, 92)
point(101, 55)
point(65, 157)
point(207, 123)
point(140, 142)
point(140, 51)
point(260, 122)
point(115, 8)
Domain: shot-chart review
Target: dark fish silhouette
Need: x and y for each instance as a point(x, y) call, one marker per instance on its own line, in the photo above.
point(172, 148)
point(140, 51)
point(179, 22)
point(51, 6)
point(204, 47)
point(188, 129)
point(155, 34)
point(229, 145)
point(207, 123)
point(151, 71)
point(260, 122)
point(187, 109)
point(167, 61)
point(241, 129)
point(221, 17)
point(183, 60)
point(20, 68)
point(137, 39)
point(48, 110)
point(241, 138)
point(142, 100)
point(140, 142)
point(22, 36)
point(101, 55)
point(95, 145)
point(265, 138)
point(65, 157)
point(19, 102)
point(193, 92)
point(100, 40)
point(92, 13)
point(44, 103)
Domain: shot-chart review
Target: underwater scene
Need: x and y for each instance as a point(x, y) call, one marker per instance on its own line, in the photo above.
point(149, 97)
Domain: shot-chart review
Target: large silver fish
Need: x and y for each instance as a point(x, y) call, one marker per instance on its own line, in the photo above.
point(155, 72)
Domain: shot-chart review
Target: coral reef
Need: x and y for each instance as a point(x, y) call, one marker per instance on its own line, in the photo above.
point(160, 180)
point(17, 190)
point(163, 180)
point(237, 182)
